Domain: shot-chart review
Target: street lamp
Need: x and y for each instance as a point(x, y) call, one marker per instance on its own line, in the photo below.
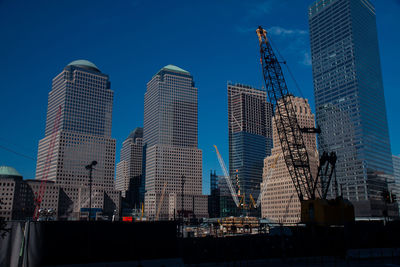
point(90, 168)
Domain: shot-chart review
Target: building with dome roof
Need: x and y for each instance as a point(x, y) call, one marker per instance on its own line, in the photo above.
point(84, 135)
point(18, 195)
point(10, 180)
point(9, 172)
point(172, 157)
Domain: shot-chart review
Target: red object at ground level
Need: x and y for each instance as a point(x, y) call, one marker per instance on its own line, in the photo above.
point(127, 219)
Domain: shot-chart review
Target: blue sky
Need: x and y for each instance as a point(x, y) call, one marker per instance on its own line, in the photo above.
point(132, 40)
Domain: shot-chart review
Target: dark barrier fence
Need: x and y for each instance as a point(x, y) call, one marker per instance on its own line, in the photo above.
point(64, 242)
point(336, 242)
point(57, 243)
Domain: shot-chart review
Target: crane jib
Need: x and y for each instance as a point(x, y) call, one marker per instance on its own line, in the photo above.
point(288, 129)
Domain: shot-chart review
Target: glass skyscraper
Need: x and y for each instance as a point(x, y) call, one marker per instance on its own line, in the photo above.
point(349, 99)
point(250, 138)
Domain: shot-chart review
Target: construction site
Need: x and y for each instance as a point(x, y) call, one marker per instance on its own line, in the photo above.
point(323, 232)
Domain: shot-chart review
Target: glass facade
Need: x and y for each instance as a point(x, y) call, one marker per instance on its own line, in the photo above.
point(250, 141)
point(214, 197)
point(349, 98)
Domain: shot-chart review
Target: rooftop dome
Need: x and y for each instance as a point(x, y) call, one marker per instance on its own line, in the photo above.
point(9, 171)
point(84, 64)
point(174, 68)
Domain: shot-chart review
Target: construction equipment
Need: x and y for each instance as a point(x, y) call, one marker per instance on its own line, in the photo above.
point(240, 203)
point(46, 167)
point(252, 202)
point(310, 191)
point(161, 201)
point(227, 178)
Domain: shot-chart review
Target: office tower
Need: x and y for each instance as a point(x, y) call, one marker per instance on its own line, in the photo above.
point(83, 135)
point(214, 207)
point(349, 99)
point(11, 203)
point(250, 138)
point(213, 198)
point(129, 169)
point(220, 202)
point(280, 202)
point(173, 161)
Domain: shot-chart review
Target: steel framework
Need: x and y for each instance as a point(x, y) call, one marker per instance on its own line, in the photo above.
point(289, 132)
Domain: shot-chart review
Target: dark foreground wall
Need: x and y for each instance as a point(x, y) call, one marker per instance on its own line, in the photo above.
point(294, 242)
point(57, 243)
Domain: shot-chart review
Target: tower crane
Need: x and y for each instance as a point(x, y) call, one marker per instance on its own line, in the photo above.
point(315, 208)
point(46, 167)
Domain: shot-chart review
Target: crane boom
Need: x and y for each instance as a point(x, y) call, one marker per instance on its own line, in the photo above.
point(313, 208)
point(46, 167)
point(289, 132)
point(227, 177)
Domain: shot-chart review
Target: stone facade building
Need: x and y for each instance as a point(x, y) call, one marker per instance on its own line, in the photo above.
point(83, 135)
point(280, 202)
point(170, 140)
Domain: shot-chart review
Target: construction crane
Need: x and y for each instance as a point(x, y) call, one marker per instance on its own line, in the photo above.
point(141, 211)
point(315, 208)
point(253, 202)
point(46, 167)
point(161, 201)
point(227, 178)
point(240, 203)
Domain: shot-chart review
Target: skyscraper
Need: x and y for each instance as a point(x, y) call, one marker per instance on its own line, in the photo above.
point(129, 169)
point(173, 161)
point(250, 137)
point(83, 93)
point(280, 202)
point(349, 99)
point(214, 197)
